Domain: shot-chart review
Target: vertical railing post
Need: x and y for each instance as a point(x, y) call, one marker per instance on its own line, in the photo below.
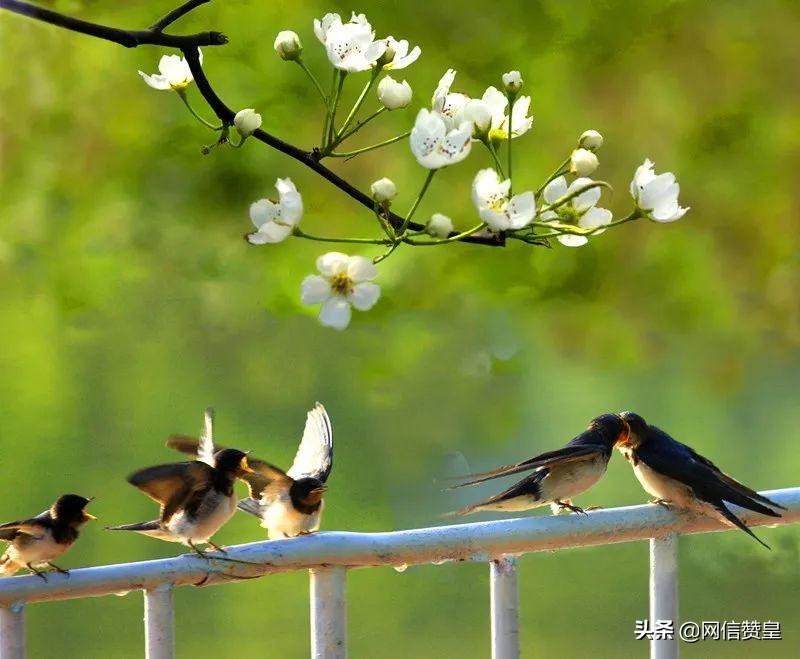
point(504, 596)
point(664, 595)
point(328, 613)
point(12, 631)
point(159, 623)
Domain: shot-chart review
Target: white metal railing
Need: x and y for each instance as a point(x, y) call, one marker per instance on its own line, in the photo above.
point(328, 556)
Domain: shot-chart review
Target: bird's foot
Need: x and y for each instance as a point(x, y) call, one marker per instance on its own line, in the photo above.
point(38, 573)
point(569, 506)
point(593, 508)
point(58, 569)
point(660, 502)
point(221, 550)
point(197, 550)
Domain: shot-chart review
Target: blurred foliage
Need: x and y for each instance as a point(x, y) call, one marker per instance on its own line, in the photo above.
point(129, 301)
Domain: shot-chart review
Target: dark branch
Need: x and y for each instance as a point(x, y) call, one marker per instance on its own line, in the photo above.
point(188, 44)
point(175, 14)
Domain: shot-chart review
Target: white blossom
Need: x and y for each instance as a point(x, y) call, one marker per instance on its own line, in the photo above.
point(439, 226)
point(491, 197)
point(274, 221)
point(512, 81)
point(449, 104)
point(591, 139)
point(343, 282)
point(287, 45)
point(656, 195)
point(383, 190)
point(394, 95)
point(583, 162)
point(580, 211)
point(350, 46)
point(401, 57)
point(497, 103)
point(479, 114)
point(434, 146)
point(247, 121)
point(173, 73)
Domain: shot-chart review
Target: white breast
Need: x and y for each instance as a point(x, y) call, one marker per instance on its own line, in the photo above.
point(664, 487)
point(214, 511)
point(570, 479)
point(283, 520)
point(35, 549)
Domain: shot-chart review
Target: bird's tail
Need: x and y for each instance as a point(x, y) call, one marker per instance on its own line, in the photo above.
point(140, 527)
point(8, 567)
point(250, 506)
point(733, 520)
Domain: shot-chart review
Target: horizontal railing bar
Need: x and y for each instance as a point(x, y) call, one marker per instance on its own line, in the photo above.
point(476, 541)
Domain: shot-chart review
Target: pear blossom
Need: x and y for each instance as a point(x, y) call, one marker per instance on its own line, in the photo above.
point(274, 221)
point(580, 211)
point(480, 115)
point(449, 104)
point(656, 195)
point(512, 81)
point(591, 139)
point(247, 121)
point(288, 46)
point(583, 162)
point(350, 46)
point(439, 226)
point(491, 197)
point(400, 56)
point(394, 95)
point(383, 190)
point(174, 73)
point(343, 282)
point(497, 102)
point(434, 146)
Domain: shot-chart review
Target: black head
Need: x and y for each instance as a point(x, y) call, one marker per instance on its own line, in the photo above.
point(307, 492)
point(232, 461)
point(69, 508)
point(612, 428)
point(638, 426)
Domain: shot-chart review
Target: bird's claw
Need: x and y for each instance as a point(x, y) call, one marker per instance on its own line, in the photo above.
point(660, 502)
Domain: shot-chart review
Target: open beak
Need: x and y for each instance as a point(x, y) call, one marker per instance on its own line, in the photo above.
point(88, 516)
point(622, 438)
point(319, 490)
point(245, 466)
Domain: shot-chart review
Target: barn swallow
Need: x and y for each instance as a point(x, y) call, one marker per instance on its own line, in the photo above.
point(288, 503)
point(558, 475)
point(678, 476)
point(41, 539)
point(197, 498)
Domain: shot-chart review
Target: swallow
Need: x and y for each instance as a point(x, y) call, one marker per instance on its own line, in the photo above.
point(197, 498)
point(288, 503)
point(558, 475)
point(678, 476)
point(40, 540)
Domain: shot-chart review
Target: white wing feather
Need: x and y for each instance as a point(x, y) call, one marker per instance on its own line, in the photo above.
point(205, 449)
point(314, 457)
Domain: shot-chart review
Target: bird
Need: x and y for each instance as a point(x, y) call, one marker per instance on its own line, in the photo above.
point(678, 476)
point(558, 475)
point(40, 540)
point(197, 498)
point(288, 503)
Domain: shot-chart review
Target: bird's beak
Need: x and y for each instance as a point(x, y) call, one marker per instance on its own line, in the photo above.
point(88, 516)
point(319, 490)
point(246, 468)
point(622, 438)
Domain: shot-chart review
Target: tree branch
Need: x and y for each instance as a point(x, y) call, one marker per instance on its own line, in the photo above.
point(188, 44)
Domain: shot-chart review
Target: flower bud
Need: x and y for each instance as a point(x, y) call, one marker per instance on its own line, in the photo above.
point(583, 162)
point(287, 45)
point(383, 190)
point(394, 95)
point(247, 121)
point(512, 81)
point(439, 226)
point(591, 140)
point(479, 114)
point(387, 57)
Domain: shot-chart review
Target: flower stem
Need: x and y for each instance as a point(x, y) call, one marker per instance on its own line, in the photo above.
point(324, 239)
point(492, 150)
point(567, 197)
point(313, 79)
point(351, 154)
point(635, 214)
point(449, 239)
point(360, 124)
point(511, 98)
point(357, 105)
point(559, 171)
point(332, 134)
point(326, 126)
point(182, 95)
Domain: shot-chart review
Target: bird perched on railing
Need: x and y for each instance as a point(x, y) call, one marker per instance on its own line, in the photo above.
point(558, 475)
point(288, 503)
point(40, 540)
point(197, 498)
point(678, 476)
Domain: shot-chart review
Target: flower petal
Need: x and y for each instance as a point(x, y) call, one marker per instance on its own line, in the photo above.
point(315, 289)
point(585, 200)
point(331, 264)
point(156, 81)
point(572, 240)
point(554, 190)
point(269, 233)
point(595, 217)
point(335, 313)
point(364, 295)
point(360, 268)
point(263, 211)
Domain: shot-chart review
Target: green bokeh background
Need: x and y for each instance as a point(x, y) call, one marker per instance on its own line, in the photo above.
point(129, 301)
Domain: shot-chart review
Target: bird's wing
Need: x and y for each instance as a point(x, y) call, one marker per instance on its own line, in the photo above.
point(671, 458)
point(263, 474)
point(528, 486)
point(171, 485)
point(33, 527)
point(569, 453)
point(314, 458)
